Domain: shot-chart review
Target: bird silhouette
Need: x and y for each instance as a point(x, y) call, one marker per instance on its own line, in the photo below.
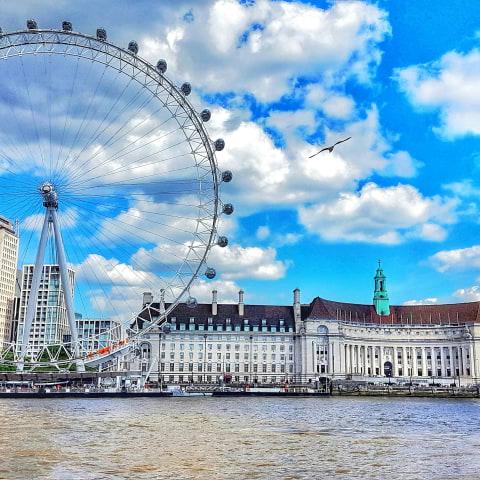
point(330, 149)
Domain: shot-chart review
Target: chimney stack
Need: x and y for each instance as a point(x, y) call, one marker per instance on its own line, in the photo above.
point(147, 298)
point(296, 306)
point(241, 306)
point(162, 301)
point(214, 302)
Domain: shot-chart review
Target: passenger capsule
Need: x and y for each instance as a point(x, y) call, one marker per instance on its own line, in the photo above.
point(186, 88)
point(101, 34)
point(133, 47)
point(222, 241)
point(228, 209)
point(227, 176)
point(32, 25)
point(162, 66)
point(205, 115)
point(219, 144)
point(67, 26)
point(191, 302)
point(210, 273)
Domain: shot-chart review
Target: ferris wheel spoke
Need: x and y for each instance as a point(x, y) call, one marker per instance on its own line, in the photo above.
point(84, 118)
point(133, 165)
point(109, 141)
point(27, 89)
point(135, 231)
point(98, 235)
point(119, 153)
point(93, 272)
point(97, 132)
point(57, 176)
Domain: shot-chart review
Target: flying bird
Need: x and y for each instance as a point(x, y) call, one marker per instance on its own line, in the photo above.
point(330, 149)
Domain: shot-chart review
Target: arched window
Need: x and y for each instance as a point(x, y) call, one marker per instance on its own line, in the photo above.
point(322, 329)
point(146, 350)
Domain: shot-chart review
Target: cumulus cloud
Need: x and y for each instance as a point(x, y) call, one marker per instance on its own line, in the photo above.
point(248, 262)
point(231, 262)
point(450, 86)
point(379, 215)
point(268, 176)
point(425, 301)
point(273, 42)
point(471, 294)
point(459, 259)
point(227, 291)
point(98, 269)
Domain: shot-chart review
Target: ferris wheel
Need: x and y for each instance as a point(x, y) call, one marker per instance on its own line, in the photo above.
point(112, 178)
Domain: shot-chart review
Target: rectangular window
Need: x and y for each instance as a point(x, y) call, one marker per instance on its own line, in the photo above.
point(245, 367)
point(264, 368)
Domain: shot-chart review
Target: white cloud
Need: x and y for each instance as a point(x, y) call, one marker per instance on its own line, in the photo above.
point(332, 104)
point(267, 176)
point(379, 215)
point(425, 301)
point(263, 232)
point(230, 262)
point(449, 85)
point(459, 259)
point(247, 262)
point(100, 270)
point(273, 43)
point(471, 294)
point(227, 291)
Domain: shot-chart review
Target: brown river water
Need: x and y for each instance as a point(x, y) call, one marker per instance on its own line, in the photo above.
point(239, 438)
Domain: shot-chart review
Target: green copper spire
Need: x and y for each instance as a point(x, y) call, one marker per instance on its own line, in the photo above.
point(380, 296)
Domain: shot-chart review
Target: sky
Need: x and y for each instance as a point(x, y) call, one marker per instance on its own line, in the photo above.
point(283, 79)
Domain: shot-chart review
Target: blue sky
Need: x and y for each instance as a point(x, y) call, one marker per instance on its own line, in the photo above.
point(283, 79)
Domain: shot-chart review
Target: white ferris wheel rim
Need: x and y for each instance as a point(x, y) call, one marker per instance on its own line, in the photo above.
point(69, 43)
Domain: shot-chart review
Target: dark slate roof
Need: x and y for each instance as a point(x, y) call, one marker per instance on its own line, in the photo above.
point(254, 313)
point(320, 308)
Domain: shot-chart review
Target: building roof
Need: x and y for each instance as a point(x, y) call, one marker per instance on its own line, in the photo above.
point(402, 315)
point(322, 309)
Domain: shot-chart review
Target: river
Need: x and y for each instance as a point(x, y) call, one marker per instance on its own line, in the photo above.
point(240, 438)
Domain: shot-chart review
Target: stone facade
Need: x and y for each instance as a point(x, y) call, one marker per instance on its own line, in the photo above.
point(303, 342)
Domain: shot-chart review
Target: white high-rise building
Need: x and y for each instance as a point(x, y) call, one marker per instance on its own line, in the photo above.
point(50, 324)
point(8, 271)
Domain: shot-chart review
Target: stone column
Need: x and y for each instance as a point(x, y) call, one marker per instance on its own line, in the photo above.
point(443, 361)
point(395, 362)
point(464, 360)
point(330, 369)
point(453, 372)
point(434, 361)
point(414, 363)
point(365, 360)
point(472, 361)
point(347, 359)
point(380, 361)
point(424, 362)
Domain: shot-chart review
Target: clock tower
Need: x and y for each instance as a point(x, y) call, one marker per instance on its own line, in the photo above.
point(380, 296)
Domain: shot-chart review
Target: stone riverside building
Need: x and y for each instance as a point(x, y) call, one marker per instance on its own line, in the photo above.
point(302, 342)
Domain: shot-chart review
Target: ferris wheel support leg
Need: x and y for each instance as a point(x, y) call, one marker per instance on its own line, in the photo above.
point(67, 290)
point(32, 299)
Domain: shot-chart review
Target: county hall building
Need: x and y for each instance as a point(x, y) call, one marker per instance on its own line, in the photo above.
point(265, 344)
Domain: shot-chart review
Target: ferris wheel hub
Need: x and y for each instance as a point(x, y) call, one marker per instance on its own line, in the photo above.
point(49, 194)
